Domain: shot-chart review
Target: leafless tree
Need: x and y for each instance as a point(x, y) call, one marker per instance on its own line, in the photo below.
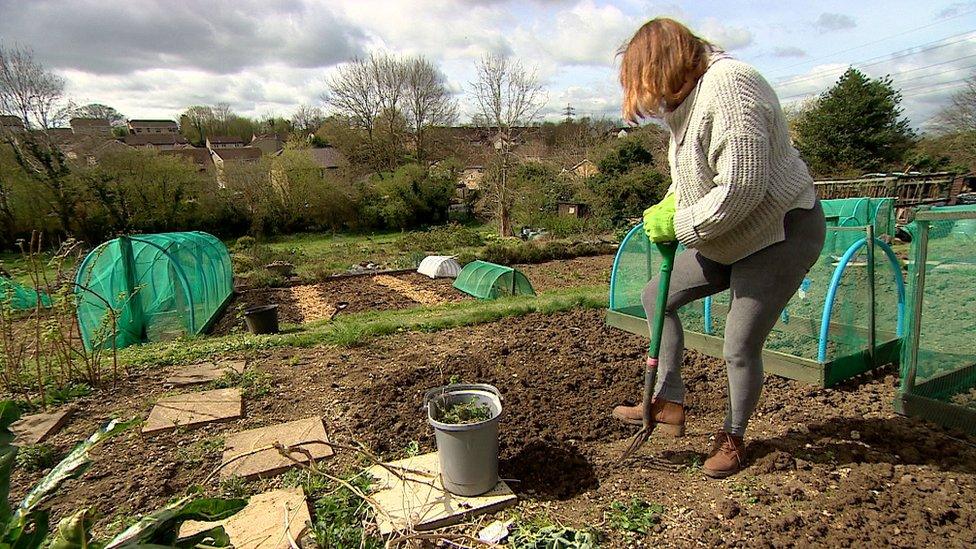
point(103, 112)
point(428, 100)
point(307, 119)
point(36, 95)
point(959, 116)
point(353, 92)
point(30, 91)
point(509, 97)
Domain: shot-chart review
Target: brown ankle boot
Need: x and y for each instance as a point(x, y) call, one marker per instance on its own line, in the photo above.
point(668, 416)
point(726, 457)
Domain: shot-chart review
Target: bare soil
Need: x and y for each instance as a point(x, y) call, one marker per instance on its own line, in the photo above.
point(824, 467)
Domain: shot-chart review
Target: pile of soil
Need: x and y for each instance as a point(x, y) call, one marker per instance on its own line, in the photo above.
point(825, 467)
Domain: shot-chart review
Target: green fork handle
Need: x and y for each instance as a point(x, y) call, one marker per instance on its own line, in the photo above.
point(667, 250)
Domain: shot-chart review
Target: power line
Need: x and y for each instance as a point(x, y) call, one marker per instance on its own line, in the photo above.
point(930, 75)
point(909, 31)
point(885, 58)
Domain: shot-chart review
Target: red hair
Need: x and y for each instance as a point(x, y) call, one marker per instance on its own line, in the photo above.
point(660, 67)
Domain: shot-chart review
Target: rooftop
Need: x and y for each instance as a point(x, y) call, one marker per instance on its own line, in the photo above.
point(239, 153)
point(155, 139)
point(152, 123)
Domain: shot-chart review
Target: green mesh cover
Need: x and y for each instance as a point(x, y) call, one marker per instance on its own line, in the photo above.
point(857, 212)
point(798, 331)
point(490, 281)
point(178, 283)
point(18, 297)
point(941, 342)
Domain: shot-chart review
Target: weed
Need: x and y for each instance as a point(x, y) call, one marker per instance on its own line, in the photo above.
point(746, 487)
point(62, 395)
point(464, 413)
point(412, 449)
point(196, 453)
point(340, 514)
point(314, 485)
point(235, 487)
point(253, 382)
point(636, 516)
point(35, 457)
point(546, 536)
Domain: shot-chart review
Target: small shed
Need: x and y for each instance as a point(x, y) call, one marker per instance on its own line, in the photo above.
point(571, 209)
point(439, 266)
point(490, 281)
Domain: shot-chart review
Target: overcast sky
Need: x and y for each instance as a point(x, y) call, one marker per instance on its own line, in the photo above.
point(154, 58)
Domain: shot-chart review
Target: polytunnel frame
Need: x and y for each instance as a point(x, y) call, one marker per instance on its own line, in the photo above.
point(913, 398)
point(821, 372)
point(127, 255)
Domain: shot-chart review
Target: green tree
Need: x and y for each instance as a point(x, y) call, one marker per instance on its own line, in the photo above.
point(855, 126)
point(409, 197)
point(629, 154)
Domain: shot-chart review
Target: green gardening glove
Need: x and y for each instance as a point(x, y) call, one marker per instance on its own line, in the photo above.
point(659, 220)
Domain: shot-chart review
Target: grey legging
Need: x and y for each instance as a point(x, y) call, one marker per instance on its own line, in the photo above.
point(761, 285)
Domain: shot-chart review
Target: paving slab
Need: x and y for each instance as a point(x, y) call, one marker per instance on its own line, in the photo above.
point(308, 434)
point(261, 524)
point(420, 502)
point(36, 428)
point(204, 372)
point(194, 409)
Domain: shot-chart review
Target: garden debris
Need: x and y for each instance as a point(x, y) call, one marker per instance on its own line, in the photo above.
point(204, 372)
point(406, 289)
point(414, 498)
point(37, 428)
point(251, 454)
point(495, 532)
point(261, 525)
point(310, 304)
point(194, 409)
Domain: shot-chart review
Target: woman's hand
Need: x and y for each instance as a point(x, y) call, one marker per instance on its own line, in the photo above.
point(659, 220)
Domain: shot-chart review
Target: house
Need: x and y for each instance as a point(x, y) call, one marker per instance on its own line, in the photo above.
point(239, 155)
point(100, 127)
point(59, 136)
point(161, 141)
point(224, 142)
point(140, 127)
point(571, 209)
point(328, 158)
point(196, 155)
point(12, 123)
point(582, 169)
point(88, 149)
point(268, 143)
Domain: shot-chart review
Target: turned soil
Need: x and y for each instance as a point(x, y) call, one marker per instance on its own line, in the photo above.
point(364, 293)
point(824, 467)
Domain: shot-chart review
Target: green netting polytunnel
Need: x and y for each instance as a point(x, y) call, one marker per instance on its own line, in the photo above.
point(157, 286)
point(18, 297)
point(490, 281)
point(857, 212)
point(938, 366)
point(846, 317)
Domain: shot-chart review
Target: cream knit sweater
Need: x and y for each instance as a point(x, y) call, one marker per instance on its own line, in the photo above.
point(733, 168)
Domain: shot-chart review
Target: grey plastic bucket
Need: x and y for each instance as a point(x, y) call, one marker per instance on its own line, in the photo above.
point(468, 453)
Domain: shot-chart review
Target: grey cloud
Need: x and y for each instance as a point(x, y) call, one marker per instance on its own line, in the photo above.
point(790, 51)
point(828, 22)
point(223, 37)
point(955, 9)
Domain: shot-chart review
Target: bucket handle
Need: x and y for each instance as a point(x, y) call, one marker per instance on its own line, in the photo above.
point(437, 391)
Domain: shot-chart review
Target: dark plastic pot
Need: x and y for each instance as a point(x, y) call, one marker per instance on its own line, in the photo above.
point(262, 320)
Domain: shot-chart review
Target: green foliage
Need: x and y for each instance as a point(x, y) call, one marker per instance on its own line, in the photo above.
point(35, 457)
point(551, 537)
point(463, 413)
point(253, 382)
point(340, 513)
point(636, 516)
point(409, 197)
point(619, 198)
point(517, 252)
point(443, 237)
point(628, 155)
point(196, 453)
point(162, 526)
point(855, 126)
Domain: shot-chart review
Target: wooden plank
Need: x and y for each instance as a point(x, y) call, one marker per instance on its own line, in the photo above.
point(936, 215)
point(943, 413)
point(935, 387)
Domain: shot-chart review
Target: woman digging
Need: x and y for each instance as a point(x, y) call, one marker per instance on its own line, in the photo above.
point(742, 203)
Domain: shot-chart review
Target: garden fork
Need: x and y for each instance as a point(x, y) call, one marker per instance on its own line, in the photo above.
point(667, 250)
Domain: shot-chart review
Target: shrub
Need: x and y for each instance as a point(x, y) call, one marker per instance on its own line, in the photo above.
point(408, 197)
point(444, 237)
point(532, 252)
